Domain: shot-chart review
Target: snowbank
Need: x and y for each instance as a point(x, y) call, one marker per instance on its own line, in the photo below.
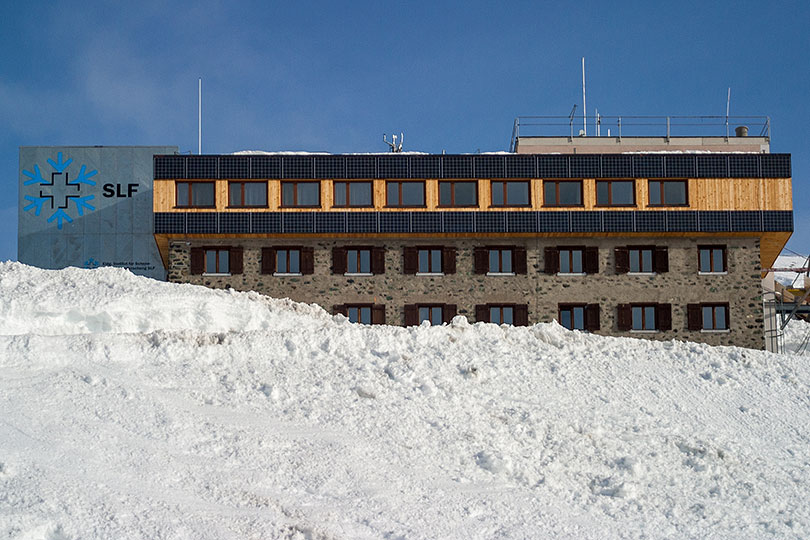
point(136, 409)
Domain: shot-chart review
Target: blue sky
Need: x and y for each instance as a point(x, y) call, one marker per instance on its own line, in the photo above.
point(335, 76)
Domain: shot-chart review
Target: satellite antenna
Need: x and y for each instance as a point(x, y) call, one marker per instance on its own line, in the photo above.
point(394, 146)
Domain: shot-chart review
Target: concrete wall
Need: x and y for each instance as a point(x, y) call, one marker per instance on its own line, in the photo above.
point(682, 285)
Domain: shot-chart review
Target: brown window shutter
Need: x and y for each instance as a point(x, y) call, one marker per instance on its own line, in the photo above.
point(410, 260)
point(448, 312)
point(411, 315)
point(378, 314)
point(339, 309)
point(268, 260)
point(591, 260)
point(622, 255)
point(552, 260)
point(624, 320)
point(592, 317)
point(339, 260)
point(482, 313)
point(521, 315)
point(378, 264)
point(519, 262)
point(661, 259)
point(197, 260)
point(480, 260)
point(449, 260)
point(694, 317)
point(663, 316)
point(236, 260)
point(307, 260)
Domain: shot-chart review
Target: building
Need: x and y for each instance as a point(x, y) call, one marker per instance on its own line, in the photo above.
point(658, 237)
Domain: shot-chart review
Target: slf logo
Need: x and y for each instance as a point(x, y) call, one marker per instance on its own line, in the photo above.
point(59, 191)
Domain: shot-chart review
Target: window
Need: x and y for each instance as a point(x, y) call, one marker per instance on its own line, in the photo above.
point(562, 193)
point(429, 260)
point(458, 193)
point(712, 259)
point(195, 194)
point(642, 259)
point(571, 260)
point(510, 193)
point(288, 261)
point(353, 194)
point(514, 314)
point(358, 260)
point(362, 313)
point(405, 193)
point(437, 314)
point(248, 194)
point(579, 316)
point(668, 193)
point(644, 317)
point(216, 260)
point(500, 261)
point(707, 317)
point(300, 194)
point(615, 193)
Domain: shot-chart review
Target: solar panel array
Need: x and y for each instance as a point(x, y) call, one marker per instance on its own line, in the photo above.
point(472, 222)
point(474, 166)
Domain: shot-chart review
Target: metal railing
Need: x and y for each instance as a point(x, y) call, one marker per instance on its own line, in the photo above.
point(635, 126)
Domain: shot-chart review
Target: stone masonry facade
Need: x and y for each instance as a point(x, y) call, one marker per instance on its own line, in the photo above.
point(681, 285)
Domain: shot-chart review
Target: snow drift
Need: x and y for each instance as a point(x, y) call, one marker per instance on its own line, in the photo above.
point(136, 409)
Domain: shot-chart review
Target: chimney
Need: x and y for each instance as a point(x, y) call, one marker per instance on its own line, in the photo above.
point(741, 131)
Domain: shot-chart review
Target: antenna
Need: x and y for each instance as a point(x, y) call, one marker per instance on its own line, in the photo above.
point(571, 119)
point(728, 107)
point(584, 109)
point(394, 146)
point(199, 115)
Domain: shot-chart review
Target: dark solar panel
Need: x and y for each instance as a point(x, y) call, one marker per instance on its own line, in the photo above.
point(585, 166)
point(521, 222)
point(617, 166)
point(201, 223)
point(361, 222)
point(457, 167)
point(297, 222)
point(170, 223)
point(713, 221)
point(266, 222)
point(265, 166)
point(586, 221)
point(425, 166)
point(395, 222)
point(679, 166)
point(518, 166)
point(746, 221)
point(392, 166)
point(553, 221)
point(619, 221)
point(553, 167)
point(744, 166)
point(234, 167)
point(330, 167)
point(775, 165)
point(685, 221)
point(490, 222)
point(712, 166)
point(170, 167)
point(488, 167)
point(651, 221)
point(234, 222)
point(202, 167)
point(777, 220)
point(297, 167)
point(648, 166)
point(361, 166)
point(459, 222)
point(330, 222)
point(426, 222)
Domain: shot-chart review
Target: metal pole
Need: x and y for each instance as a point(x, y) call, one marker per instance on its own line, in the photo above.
point(199, 115)
point(584, 109)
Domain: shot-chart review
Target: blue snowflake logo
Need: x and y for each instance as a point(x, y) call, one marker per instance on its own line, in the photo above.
point(60, 190)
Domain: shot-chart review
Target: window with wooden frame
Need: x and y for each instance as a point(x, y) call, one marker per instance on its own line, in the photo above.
point(405, 194)
point(641, 259)
point(300, 194)
point(362, 313)
point(615, 193)
point(708, 317)
point(247, 194)
point(288, 260)
point(195, 195)
point(562, 192)
point(668, 193)
point(513, 314)
point(499, 260)
point(579, 316)
point(436, 314)
point(429, 260)
point(644, 317)
point(712, 260)
point(353, 194)
point(510, 193)
point(573, 260)
point(458, 194)
point(358, 260)
point(217, 260)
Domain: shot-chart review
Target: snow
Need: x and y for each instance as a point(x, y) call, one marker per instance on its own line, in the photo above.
point(131, 408)
point(790, 261)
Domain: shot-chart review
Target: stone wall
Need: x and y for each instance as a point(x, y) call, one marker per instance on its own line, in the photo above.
point(740, 287)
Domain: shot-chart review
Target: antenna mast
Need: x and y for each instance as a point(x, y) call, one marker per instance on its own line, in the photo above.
point(728, 106)
point(199, 115)
point(584, 109)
